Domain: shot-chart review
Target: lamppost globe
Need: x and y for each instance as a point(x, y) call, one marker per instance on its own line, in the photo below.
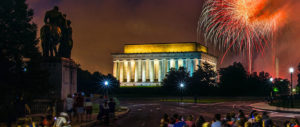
point(181, 85)
point(291, 69)
point(106, 83)
point(271, 79)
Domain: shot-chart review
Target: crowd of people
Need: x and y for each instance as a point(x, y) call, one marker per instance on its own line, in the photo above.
point(106, 110)
point(80, 108)
point(254, 119)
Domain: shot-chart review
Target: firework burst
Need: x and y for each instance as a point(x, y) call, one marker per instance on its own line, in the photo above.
point(240, 25)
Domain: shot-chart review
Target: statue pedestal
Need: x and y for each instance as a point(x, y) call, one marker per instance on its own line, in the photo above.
point(62, 76)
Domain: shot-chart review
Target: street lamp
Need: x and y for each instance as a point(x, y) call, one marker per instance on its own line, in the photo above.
point(292, 71)
point(181, 86)
point(106, 84)
point(271, 80)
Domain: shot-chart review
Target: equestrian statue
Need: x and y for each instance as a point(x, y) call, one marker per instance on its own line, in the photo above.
point(57, 30)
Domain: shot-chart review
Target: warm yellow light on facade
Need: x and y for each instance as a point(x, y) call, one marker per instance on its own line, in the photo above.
point(171, 47)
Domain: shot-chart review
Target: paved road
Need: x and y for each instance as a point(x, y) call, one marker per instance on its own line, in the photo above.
point(148, 113)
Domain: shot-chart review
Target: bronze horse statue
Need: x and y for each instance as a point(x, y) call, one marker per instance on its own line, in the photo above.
point(57, 30)
point(50, 37)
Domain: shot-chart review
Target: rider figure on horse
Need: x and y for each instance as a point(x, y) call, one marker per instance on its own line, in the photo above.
point(56, 30)
point(53, 16)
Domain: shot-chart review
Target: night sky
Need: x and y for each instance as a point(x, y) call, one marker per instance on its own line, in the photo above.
point(102, 27)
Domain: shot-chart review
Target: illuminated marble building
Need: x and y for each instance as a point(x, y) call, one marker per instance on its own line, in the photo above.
point(147, 64)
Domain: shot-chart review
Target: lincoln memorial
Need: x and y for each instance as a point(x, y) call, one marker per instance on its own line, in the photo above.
point(147, 64)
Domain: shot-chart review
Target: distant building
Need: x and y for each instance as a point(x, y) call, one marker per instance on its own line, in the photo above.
point(147, 64)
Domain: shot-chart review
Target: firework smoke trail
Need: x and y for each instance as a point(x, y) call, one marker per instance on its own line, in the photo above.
point(239, 25)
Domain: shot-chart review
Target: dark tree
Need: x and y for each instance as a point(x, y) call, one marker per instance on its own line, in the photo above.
point(20, 74)
point(260, 83)
point(203, 80)
point(281, 86)
point(174, 78)
point(94, 83)
point(85, 82)
point(265, 83)
point(233, 80)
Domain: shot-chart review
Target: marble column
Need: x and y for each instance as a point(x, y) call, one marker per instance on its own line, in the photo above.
point(121, 71)
point(132, 70)
point(115, 68)
point(151, 70)
point(172, 63)
point(156, 69)
point(136, 76)
point(180, 62)
point(160, 71)
point(139, 67)
point(147, 69)
point(128, 71)
point(143, 70)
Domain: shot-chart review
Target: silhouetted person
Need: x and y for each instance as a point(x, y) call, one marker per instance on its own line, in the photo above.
point(53, 16)
point(112, 108)
point(217, 121)
point(200, 121)
point(164, 121)
point(67, 41)
point(267, 122)
point(106, 112)
point(101, 110)
point(70, 39)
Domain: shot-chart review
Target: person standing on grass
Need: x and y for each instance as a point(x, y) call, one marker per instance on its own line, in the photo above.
point(79, 107)
point(106, 112)
point(100, 113)
point(112, 108)
point(88, 105)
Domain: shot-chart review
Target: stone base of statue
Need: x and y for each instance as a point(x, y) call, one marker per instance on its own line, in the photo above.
point(62, 76)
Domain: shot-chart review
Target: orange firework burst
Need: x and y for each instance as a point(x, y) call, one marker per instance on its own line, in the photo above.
point(241, 25)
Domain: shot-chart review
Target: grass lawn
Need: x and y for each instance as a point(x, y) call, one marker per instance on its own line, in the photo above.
point(140, 86)
point(209, 100)
point(95, 108)
point(287, 104)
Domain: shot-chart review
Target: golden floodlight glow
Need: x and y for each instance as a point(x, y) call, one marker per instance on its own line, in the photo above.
point(166, 47)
